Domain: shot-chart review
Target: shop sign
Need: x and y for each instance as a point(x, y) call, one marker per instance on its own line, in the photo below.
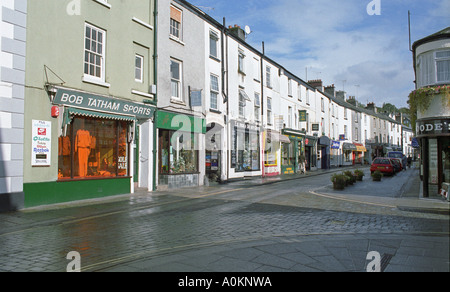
point(180, 122)
point(100, 103)
point(315, 127)
point(41, 143)
point(341, 137)
point(335, 144)
point(433, 127)
point(302, 116)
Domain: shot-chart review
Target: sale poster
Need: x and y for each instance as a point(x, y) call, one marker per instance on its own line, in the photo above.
point(41, 143)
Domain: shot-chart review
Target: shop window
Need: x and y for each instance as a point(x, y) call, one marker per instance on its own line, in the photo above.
point(177, 152)
point(288, 157)
point(245, 152)
point(94, 148)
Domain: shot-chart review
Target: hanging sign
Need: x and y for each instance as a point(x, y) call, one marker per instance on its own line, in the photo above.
point(41, 143)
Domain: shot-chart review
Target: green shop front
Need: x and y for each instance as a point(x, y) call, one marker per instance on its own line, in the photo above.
point(86, 145)
point(293, 159)
point(180, 150)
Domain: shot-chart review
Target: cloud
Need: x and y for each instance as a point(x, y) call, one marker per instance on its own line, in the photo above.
point(338, 40)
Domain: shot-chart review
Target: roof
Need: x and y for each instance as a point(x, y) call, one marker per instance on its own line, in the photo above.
point(442, 34)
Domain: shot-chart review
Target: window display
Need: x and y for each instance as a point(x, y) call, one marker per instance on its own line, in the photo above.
point(100, 149)
point(177, 152)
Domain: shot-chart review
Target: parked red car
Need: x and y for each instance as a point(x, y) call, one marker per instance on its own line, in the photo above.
point(397, 164)
point(383, 164)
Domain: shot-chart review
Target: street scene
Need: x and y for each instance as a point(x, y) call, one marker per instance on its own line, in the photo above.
point(224, 136)
point(291, 225)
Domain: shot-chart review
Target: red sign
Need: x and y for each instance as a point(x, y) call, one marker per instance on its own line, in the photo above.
point(55, 111)
point(42, 131)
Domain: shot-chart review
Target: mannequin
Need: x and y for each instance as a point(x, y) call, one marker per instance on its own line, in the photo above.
point(83, 147)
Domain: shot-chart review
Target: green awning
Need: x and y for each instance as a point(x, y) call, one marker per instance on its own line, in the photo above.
point(69, 113)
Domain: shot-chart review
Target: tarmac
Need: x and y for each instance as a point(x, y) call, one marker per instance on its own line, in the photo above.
point(340, 246)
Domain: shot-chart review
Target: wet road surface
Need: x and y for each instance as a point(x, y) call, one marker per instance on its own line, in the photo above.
point(295, 225)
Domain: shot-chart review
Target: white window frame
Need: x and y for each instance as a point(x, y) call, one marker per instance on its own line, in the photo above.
point(268, 77)
point(257, 106)
point(141, 68)
point(176, 31)
point(214, 37)
point(179, 82)
point(269, 110)
point(442, 59)
point(241, 62)
point(214, 92)
point(89, 76)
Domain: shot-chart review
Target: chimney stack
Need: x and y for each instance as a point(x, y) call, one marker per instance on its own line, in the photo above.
point(331, 90)
point(317, 84)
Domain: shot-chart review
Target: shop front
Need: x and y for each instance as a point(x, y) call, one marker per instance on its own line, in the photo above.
point(293, 158)
point(335, 153)
point(245, 150)
point(323, 150)
point(310, 152)
point(358, 155)
point(348, 149)
point(272, 148)
point(94, 142)
point(180, 137)
point(434, 138)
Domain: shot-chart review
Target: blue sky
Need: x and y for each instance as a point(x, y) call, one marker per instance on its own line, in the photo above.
point(338, 41)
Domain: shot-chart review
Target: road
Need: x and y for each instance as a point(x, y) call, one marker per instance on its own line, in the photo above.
point(293, 225)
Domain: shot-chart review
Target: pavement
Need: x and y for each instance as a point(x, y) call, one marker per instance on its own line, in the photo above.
point(229, 228)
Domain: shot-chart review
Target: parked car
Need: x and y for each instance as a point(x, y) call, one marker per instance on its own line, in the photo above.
point(398, 154)
point(383, 164)
point(397, 164)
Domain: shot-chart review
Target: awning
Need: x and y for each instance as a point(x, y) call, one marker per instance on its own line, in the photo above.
point(244, 95)
point(278, 137)
point(349, 147)
point(69, 113)
point(415, 143)
point(360, 147)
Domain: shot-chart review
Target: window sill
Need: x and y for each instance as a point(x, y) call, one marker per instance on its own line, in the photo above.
point(104, 3)
point(89, 79)
point(214, 58)
point(215, 111)
point(177, 101)
point(143, 23)
point(175, 39)
point(137, 92)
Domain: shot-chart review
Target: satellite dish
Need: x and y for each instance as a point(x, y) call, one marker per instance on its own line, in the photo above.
point(248, 30)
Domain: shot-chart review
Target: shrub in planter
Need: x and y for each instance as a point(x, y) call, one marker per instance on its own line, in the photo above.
point(359, 174)
point(377, 175)
point(339, 181)
point(351, 176)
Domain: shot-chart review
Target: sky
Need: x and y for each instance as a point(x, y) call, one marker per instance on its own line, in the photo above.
point(360, 46)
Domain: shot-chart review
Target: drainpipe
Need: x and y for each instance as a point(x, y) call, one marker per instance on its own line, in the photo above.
point(155, 82)
point(225, 91)
point(262, 112)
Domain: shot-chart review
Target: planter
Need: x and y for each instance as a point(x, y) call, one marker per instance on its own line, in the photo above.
point(377, 175)
point(339, 181)
point(359, 174)
point(338, 186)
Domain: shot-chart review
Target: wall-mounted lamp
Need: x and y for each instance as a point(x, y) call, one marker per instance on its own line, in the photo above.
point(51, 90)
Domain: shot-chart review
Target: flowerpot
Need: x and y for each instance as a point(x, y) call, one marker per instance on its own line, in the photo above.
point(338, 186)
point(376, 178)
